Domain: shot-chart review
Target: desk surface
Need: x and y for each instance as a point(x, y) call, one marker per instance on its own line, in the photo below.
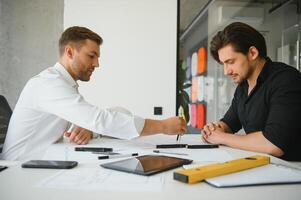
point(18, 183)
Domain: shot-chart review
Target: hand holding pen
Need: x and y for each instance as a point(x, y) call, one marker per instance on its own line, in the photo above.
point(174, 126)
point(181, 115)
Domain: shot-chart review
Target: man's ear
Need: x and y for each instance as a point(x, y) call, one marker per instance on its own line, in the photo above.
point(69, 51)
point(253, 53)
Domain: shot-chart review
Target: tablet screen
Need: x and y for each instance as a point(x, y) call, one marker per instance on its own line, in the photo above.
point(147, 165)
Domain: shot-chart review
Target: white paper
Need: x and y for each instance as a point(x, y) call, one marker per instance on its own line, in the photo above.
point(142, 146)
point(200, 156)
point(102, 179)
point(268, 174)
point(152, 141)
point(61, 152)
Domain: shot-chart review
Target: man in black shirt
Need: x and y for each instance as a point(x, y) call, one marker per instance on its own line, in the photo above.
point(267, 100)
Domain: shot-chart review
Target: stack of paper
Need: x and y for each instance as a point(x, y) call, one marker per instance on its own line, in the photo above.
point(265, 175)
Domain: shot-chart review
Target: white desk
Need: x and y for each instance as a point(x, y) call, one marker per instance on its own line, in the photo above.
point(17, 183)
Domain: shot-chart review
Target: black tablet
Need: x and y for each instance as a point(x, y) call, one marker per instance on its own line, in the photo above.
point(147, 164)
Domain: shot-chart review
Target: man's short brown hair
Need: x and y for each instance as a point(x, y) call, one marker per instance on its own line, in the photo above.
point(77, 35)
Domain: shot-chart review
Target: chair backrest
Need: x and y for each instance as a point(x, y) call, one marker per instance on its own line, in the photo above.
point(5, 114)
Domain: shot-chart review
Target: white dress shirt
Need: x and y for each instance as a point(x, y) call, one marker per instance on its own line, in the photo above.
point(48, 102)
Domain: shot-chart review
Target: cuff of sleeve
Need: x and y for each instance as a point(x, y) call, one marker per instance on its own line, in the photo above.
point(274, 140)
point(139, 123)
point(234, 130)
point(94, 135)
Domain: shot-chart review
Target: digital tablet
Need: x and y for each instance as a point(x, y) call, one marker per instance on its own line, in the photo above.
point(147, 164)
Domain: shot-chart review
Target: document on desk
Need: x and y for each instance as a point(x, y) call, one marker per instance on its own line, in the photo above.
point(102, 179)
point(143, 145)
point(265, 175)
point(61, 152)
point(168, 139)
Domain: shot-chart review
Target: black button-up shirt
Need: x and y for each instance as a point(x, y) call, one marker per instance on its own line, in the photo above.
point(273, 107)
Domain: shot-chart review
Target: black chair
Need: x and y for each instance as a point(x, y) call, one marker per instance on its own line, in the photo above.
point(5, 114)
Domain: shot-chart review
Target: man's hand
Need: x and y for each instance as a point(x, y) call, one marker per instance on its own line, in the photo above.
point(79, 135)
point(174, 126)
point(208, 128)
point(213, 134)
point(221, 126)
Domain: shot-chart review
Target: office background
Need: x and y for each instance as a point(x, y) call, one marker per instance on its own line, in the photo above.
point(138, 64)
point(138, 57)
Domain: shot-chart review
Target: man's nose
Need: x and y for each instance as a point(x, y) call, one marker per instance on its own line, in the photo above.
point(227, 70)
point(96, 63)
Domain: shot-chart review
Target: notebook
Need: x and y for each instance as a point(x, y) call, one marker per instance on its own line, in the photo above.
point(271, 174)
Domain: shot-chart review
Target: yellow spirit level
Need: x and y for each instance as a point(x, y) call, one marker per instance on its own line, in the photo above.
point(201, 173)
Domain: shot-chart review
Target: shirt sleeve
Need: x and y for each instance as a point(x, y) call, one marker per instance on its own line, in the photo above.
point(283, 123)
point(231, 116)
point(59, 98)
point(139, 121)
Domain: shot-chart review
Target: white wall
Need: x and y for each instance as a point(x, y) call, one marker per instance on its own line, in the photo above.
point(138, 56)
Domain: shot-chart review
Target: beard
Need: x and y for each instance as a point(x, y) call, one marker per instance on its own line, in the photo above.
point(82, 75)
point(239, 78)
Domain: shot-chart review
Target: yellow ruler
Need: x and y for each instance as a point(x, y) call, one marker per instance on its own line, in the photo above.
point(198, 174)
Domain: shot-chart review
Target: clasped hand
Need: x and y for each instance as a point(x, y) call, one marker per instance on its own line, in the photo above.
point(212, 133)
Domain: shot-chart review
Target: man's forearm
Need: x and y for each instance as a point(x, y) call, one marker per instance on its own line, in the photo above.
point(171, 126)
point(252, 142)
point(152, 127)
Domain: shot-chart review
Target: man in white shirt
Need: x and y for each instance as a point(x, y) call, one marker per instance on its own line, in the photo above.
point(50, 101)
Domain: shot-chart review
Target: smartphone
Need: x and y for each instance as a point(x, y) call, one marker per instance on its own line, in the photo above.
point(50, 164)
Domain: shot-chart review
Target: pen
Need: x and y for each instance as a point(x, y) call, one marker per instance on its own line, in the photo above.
point(197, 146)
point(162, 146)
point(105, 153)
point(202, 146)
point(181, 114)
point(178, 136)
point(117, 156)
point(93, 149)
point(157, 151)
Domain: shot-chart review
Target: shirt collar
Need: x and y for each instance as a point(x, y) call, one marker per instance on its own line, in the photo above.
point(58, 66)
point(263, 75)
point(265, 70)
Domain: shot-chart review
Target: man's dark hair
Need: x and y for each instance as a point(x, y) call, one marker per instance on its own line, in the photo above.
point(77, 35)
point(241, 36)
